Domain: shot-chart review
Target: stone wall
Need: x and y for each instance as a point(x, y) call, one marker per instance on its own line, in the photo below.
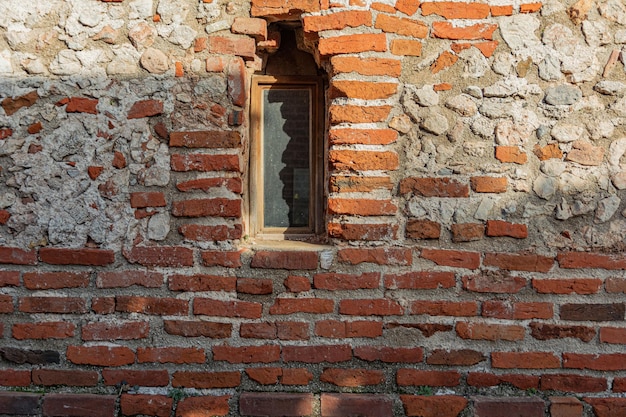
point(472, 258)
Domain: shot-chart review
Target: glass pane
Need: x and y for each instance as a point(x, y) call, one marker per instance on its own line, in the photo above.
point(286, 139)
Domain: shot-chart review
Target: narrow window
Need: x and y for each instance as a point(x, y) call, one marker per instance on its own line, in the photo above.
point(285, 183)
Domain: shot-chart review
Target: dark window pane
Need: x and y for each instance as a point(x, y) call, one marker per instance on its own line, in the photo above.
point(286, 147)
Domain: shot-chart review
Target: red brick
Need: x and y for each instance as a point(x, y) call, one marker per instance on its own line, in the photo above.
point(14, 378)
point(389, 354)
point(297, 284)
point(220, 308)
point(9, 279)
point(34, 128)
point(366, 66)
point(243, 46)
point(406, 47)
point(302, 305)
point(220, 207)
point(478, 379)
point(119, 160)
point(227, 259)
point(283, 10)
point(489, 184)
point(145, 108)
point(203, 406)
point(365, 231)
point(81, 105)
point(595, 362)
point(256, 286)
point(445, 60)
point(457, 259)
point(17, 256)
point(5, 133)
point(514, 406)
point(193, 379)
point(123, 330)
point(358, 114)
point(619, 385)
point(205, 184)
point(423, 280)
point(350, 160)
point(247, 354)
point(171, 354)
point(565, 407)
point(100, 355)
point(415, 377)
point(353, 183)
point(401, 26)
point(317, 354)
point(250, 26)
point(352, 377)
point(283, 330)
point(151, 305)
point(445, 30)
point(511, 154)
point(608, 407)
point(573, 383)
point(567, 286)
point(236, 84)
point(530, 7)
point(408, 7)
point(380, 256)
point(467, 232)
point(103, 305)
point(206, 139)
point(92, 405)
point(167, 256)
point(285, 260)
point(204, 163)
point(65, 256)
point(519, 262)
point(422, 229)
point(345, 329)
point(462, 357)
point(486, 331)
point(525, 360)
point(6, 304)
point(275, 404)
point(43, 330)
point(611, 285)
point(361, 207)
point(546, 331)
point(197, 329)
point(494, 282)
point(498, 228)
point(143, 378)
point(575, 260)
point(51, 377)
point(501, 10)
point(456, 10)
point(336, 281)
point(370, 307)
point(125, 279)
point(433, 406)
point(347, 44)
point(147, 199)
point(337, 21)
point(12, 105)
point(517, 310)
point(201, 282)
point(615, 335)
point(434, 187)
point(153, 405)
point(60, 305)
point(55, 280)
point(444, 308)
point(365, 405)
point(362, 136)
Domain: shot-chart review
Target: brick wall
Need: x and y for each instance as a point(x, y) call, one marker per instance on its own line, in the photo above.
point(472, 259)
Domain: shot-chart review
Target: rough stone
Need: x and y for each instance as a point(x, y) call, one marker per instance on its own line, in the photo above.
point(154, 61)
point(607, 207)
point(545, 187)
point(565, 132)
point(585, 153)
point(463, 105)
point(563, 95)
point(435, 123)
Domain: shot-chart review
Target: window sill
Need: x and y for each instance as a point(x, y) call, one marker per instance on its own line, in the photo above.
point(264, 243)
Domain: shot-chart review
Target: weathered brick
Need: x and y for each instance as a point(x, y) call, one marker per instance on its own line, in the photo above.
point(205, 184)
point(488, 331)
point(422, 229)
point(291, 260)
point(347, 329)
point(100, 355)
point(408, 7)
point(337, 281)
point(60, 305)
point(489, 184)
point(565, 407)
point(389, 354)
point(275, 404)
point(364, 405)
point(80, 105)
point(567, 286)
point(573, 383)
point(170, 354)
point(517, 310)
point(530, 7)
point(380, 256)
point(494, 282)
point(519, 262)
point(511, 154)
point(228, 259)
point(9, 278)
point(204, 162)
point(203, 406)
point(362, 136)
point(501, 10)
point(349, 160)
point(12, 105)
point(415, 377)
point(241, 46)
point(457, 259)
point(608, 407)
point(613, 335)
point(444, 308)
point(147, 199)
point(143, 378)
point(55, 280)
point(145, 108)
point(401, 26)
point(365, 231)
point(370, 307)
point(43, 330)
point(199, 379)
point(595, 362)
point(151, 305)
point(77, 378)
point(79, 405)
point(250, 26)
point(456, 10)
point(302, 305)
point(19, 403)
point(204, 233)
point(153, 405)
point(337, 21)
point(481, 379)
point(433, 406)
point(514, 406)
point(247, 354)
point(467, 232)
point(366, 66)
point(118, 330)
point(358, 114)
point(6, 304)
point(351, 377)
point(434, 187)
point(347, 44)
point(499, 228)
point(317, 354)
point(167, 256)
point(446, 30)
point(420, 280)
point(462, 357)
point(525, 360)
point(575, 260)
point(353, 183)
point(188, 328)
point(546, 331)
point(205, 139)
point(220, 308)
point(125, 279)
point(361, 207)
point(593, 312)
point(85, 256)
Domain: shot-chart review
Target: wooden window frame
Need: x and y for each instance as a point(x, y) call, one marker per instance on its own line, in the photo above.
point(261, 83)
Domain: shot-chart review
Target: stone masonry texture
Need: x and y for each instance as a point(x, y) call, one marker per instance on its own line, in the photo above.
point(471, 254)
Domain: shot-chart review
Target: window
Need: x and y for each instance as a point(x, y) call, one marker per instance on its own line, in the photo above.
point(286, 157)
